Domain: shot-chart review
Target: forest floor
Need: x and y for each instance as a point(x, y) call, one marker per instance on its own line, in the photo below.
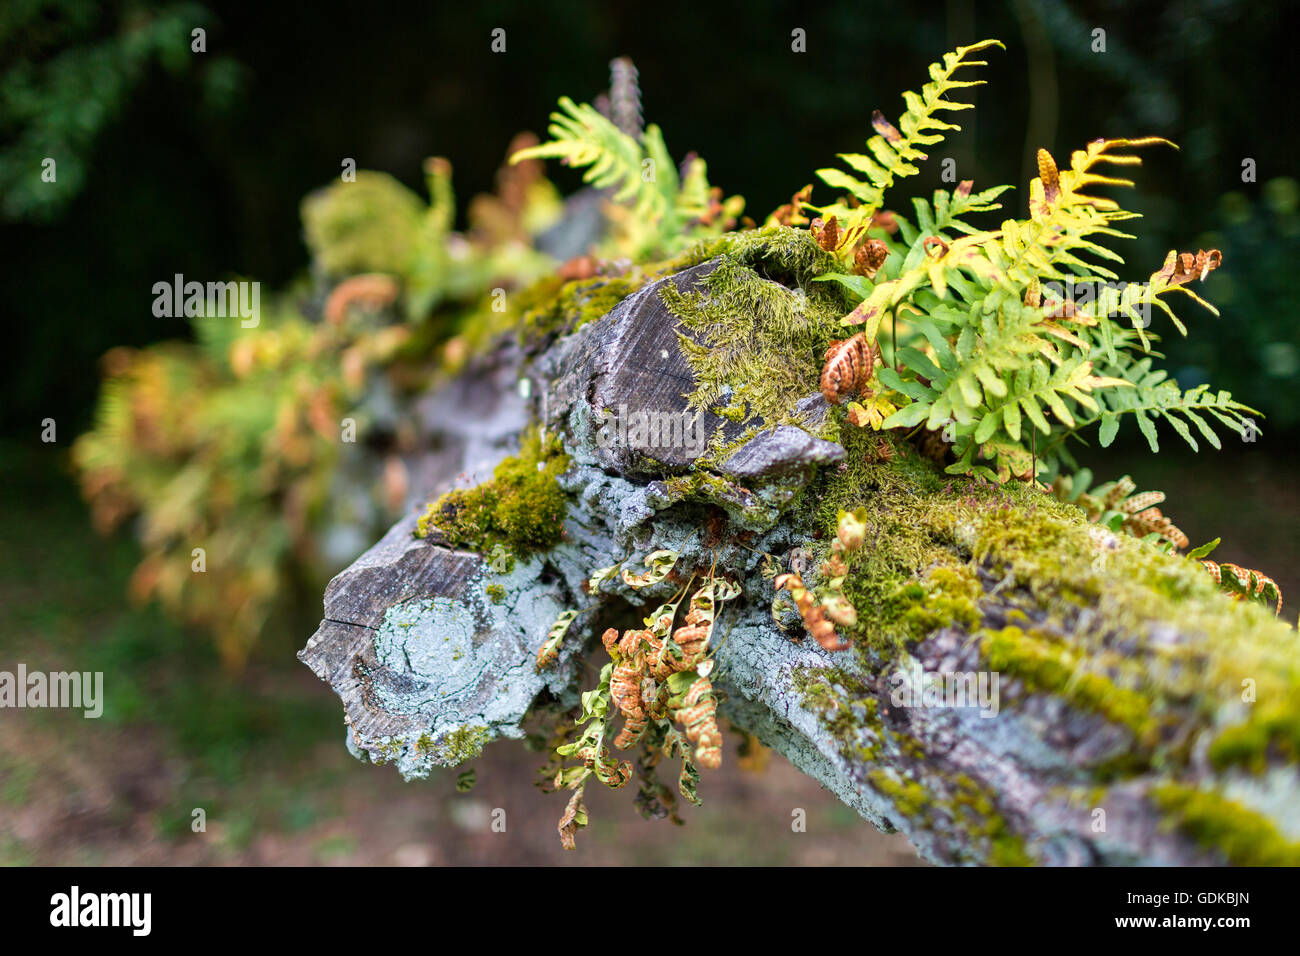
point(263, 756)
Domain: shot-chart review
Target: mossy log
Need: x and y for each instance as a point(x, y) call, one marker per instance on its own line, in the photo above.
point(1132, 713)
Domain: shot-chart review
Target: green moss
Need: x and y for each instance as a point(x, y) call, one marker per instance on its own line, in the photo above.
point(910, 798)
point(851, 716)
point(1245, 837)
point(844, 708)
point(973, 809)
point(1272, 732)
point(904, 500)
point(970, 809)
point(784, 254)
point(539, 312)
point(495, 592)
point(949, 597)
point(926, 532)
point(1009, 850)
point(752, 342)
point(1135, 588)
point(462, 744)
point(522, 508)
point(554, 307)
point(1045, 665)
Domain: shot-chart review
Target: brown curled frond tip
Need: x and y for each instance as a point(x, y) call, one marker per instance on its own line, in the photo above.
point(937, 242)
point(849, 366)
point(869, 257)
point(791, 214)
point(372, 292)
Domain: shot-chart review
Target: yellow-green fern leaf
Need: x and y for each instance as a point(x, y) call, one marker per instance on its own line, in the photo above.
point(893, 151)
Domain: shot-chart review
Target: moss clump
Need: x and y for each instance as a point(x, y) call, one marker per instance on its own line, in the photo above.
point(521, 509)
point(1273, 731)
point(370, 225)
point(1069, 598)
point(950, 595)
point(755, 332)
point(462, 744)
point(553, 307)
point(1008, 849)
point(785, 255)
point(1135, 588)
point(538, 313)
point(1245, 837)
point(909, 797)
point(844, 707)
point(971, 810)
point(907, 511)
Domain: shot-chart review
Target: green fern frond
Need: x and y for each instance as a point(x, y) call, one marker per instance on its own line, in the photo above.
point(667, 211)
point(1154, 397)
point(429, 272)
point(894, 150)
point(582, 137)
point(1064, 222)
point(1020, 328)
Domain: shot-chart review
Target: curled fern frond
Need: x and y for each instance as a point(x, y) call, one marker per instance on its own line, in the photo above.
point(848, 369)
point(659, 565)
point(1243, 583)
point(550, 650)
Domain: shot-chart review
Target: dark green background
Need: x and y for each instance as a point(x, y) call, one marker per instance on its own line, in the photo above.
point(201, 170)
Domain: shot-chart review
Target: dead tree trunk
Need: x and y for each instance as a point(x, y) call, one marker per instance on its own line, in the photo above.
point(1123, 732)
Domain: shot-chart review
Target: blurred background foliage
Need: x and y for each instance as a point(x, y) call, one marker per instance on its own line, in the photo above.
point(268, 457)
point(173, 161)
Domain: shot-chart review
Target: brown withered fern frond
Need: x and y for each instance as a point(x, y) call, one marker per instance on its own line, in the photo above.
point(826, 232)
point(790, 214)
point(372, 292)
point(814, 618)
point(1119, 505)
point(869, 257)
point(834, 607)
point(657, 680)
point(1143, 518)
